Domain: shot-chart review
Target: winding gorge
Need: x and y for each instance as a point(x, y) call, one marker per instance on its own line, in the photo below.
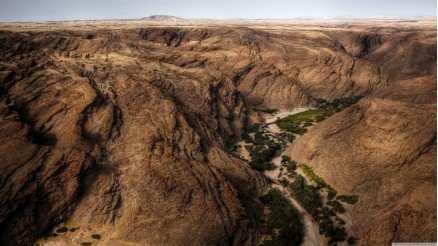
point(218, 133)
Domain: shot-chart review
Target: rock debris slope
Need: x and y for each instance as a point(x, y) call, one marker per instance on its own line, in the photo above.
point(130, 129)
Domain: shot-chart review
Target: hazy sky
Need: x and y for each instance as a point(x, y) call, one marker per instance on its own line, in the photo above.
point(41, 10)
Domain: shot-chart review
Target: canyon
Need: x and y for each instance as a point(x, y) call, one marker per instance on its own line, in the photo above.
point(125, 129)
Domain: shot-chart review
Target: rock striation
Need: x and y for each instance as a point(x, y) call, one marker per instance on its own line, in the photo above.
point(130, 129)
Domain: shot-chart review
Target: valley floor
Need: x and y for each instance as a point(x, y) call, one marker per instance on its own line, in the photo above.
point(278, 172)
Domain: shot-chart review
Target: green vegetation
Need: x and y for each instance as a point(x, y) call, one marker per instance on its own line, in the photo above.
point(291, 166)
point(351, 199)
point(284, 182)
point(331, 193)
point(297, 123)
point(330, 225)
point(337, 206)
point(285, 158)
point(262, 151)
point(283, 220)
point(293, 123)
point(95, 236)
point(312, 176)
point(334, 234)
point(286, 135)
point(308, 195)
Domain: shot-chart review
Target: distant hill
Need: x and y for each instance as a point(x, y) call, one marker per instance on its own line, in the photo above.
point(162, 18)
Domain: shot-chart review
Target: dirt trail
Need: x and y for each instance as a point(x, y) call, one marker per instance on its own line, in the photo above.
point(311, 230)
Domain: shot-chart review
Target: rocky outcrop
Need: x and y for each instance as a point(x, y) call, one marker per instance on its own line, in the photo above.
point(109, 141)
point(382, 149)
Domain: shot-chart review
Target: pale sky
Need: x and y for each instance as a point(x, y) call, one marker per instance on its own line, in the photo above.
point(44, 10)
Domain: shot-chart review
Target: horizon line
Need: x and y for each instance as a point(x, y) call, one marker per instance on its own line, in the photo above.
point(365, 17)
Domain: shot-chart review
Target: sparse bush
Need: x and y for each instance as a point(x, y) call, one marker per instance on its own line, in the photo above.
point(340, 221)
point(95, 236)
point(321, 101)
point(246, 137)
point(285, 158)
point(351, 199)
point(320, 118)
point(351, 240)
point(62, 229)
point(331, 193)
point(284, 182)
point(312, 176)
point(268, 110)
point(288, 136)
point(307, 124)
point(73, 229)
point(337, 206)
point(291, 166)
point(86, 244)
point(89, 36)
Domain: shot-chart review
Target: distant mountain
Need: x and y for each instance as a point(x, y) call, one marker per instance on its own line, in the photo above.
point(162, 18)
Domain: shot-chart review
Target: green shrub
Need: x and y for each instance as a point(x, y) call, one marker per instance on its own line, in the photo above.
point(246, 137)
point(307, 124)
point(262, 166)
point(321, 101)
point(351, 199)
point(312, 176)
point(291, 166)
point(307, 195)
point(320, 118)
point(285, 158)
point(262, 151)
point(283, 222)
point(284, 182)
point(95, 236)
point(288, 136)
point(331, 193)
point(337, 206)
point(334, 234)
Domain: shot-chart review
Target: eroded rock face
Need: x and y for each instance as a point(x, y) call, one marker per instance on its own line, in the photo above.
point(109, 140)
point(130, 129)
point(382, 149)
